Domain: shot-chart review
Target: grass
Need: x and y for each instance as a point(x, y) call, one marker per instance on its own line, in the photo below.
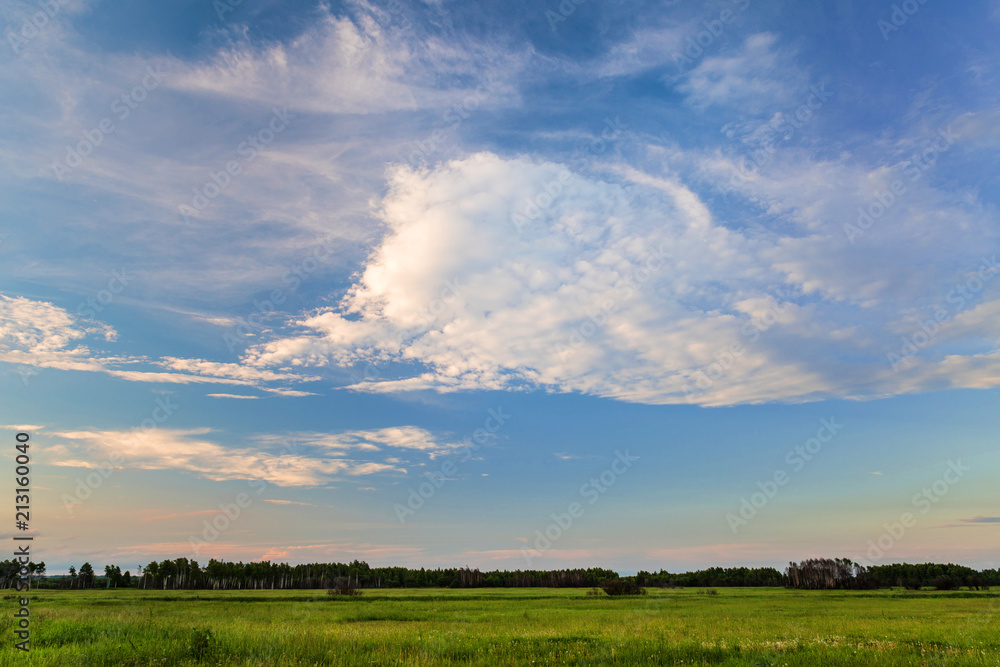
point(741, 626)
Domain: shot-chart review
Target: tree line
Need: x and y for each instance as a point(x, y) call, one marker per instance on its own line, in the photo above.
point(842, 573)
point(181, 573)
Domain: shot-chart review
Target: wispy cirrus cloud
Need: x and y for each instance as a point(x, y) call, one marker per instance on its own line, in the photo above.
point(314, 460)
point(42, 335)
point(759, 77)
point(410, 438)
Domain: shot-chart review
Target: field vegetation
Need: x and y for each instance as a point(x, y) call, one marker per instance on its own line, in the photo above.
point(509, 626)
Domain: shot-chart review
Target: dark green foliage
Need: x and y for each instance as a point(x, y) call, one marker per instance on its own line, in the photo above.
point(616, 587)
point(201, 644)
point(826, 574)
point(713, 576)
point(184, 574)
point(343, 586)
point(86, 575)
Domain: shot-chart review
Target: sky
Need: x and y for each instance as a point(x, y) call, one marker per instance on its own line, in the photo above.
point(623, 284)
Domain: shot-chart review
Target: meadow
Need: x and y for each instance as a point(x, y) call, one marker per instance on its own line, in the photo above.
point(523, 626)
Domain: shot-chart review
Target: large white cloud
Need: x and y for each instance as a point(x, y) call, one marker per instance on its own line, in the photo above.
point(502, 273)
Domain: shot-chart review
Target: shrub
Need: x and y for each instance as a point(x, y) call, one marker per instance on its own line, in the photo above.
point(343, 586)
point(708, 591)
point(201, 644)
point(616, 587)
point(944, 583)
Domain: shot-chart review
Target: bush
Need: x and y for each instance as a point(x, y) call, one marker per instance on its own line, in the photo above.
point(944, 583)
point(201, 643)
point(708, 591)
point(343, 586)
point(977, 582)
point(616, 587)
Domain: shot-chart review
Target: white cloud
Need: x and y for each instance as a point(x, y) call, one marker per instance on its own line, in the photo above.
point(37, 333)
point(758, 78)
point(578, 301)
point(348, 65)
point(394, 437)
point(242, 396)
point(313, 461)
point(314, 179)
point(646, 48)
point(453, 293)
point(227, 370)
point(43, 335)
point(455, 286)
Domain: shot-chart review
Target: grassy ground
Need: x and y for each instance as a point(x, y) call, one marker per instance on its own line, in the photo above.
point(742, 626)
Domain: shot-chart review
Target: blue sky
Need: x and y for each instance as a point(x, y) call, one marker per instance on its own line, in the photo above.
point(507, 285)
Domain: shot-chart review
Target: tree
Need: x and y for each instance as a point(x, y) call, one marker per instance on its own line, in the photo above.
point(72, 577)
point(86, 575)
point(826, 573)
point(150, 575)
point(112, 575)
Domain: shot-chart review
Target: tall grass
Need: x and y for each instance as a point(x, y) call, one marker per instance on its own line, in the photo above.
point(508, 627)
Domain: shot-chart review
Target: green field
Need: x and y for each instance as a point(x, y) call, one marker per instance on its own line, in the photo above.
point(739, 626)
